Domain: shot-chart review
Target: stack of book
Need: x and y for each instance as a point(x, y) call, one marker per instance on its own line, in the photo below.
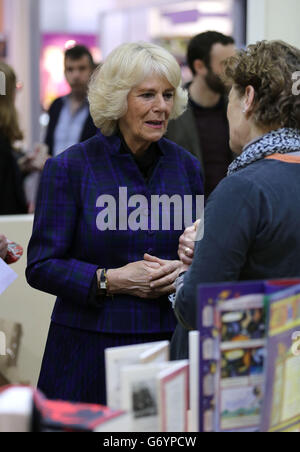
point(242, 374)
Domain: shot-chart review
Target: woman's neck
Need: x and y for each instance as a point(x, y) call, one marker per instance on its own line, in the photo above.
point(255, 133)
point(138, 149)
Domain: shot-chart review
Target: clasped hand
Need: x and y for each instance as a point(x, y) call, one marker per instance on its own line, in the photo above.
point(154, 277)
point(149, 278)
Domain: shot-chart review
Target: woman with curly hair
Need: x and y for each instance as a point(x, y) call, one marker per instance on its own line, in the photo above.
point(252, 221)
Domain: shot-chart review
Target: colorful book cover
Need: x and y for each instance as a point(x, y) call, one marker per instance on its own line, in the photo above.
point(232, 350)
point(281, 407)
point(230, 345)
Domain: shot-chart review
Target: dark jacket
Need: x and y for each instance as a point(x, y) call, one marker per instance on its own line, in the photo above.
point(251, 232)
point(183, 131)
point(88, 130)
point(12, 197)
point(67, 246)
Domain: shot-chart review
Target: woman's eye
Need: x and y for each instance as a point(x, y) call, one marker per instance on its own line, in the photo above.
point(147, 95)
point(167, 96)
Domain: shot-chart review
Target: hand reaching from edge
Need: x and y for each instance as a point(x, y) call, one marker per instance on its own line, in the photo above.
point(187, 244)
point(3, 246)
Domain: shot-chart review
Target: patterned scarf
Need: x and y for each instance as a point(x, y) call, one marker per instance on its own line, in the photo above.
point(282, 141)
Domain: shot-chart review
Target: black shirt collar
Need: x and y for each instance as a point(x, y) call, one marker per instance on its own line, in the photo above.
point(145, 162)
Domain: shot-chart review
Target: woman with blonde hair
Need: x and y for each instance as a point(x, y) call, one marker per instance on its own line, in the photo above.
point(12, 198)
point(93, 237)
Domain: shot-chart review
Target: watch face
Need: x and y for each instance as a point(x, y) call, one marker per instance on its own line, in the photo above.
point(103, 280)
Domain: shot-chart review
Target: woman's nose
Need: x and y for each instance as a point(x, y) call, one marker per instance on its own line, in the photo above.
point(160, 103)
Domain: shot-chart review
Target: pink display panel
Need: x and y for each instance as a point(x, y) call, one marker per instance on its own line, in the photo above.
point(53, 82)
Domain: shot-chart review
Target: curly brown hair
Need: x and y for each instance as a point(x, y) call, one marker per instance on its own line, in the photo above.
point(268, 66)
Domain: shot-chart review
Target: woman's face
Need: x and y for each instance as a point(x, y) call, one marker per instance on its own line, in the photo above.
point(149, 106)
point(238, 124)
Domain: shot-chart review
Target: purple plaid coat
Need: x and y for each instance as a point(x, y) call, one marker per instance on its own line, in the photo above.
point(67, 247)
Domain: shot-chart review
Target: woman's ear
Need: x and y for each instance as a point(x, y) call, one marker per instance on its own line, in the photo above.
point(248, 101)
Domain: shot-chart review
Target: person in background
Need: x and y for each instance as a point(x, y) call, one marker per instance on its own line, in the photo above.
point(203, 128)
point(15, 164)
point(69, 119)
point(85, 249)
point(251, 222)
point(12, 197)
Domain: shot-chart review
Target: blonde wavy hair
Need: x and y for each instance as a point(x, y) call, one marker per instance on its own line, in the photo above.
point(126, 67)
point(9, 123)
